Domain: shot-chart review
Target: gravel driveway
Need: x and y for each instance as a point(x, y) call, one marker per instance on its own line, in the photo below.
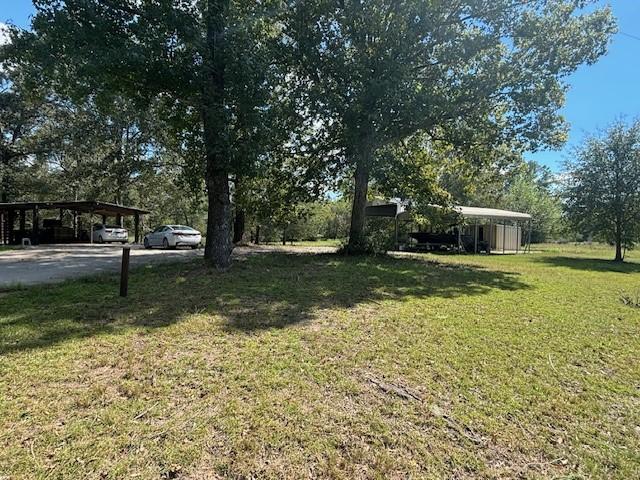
point(54, 263)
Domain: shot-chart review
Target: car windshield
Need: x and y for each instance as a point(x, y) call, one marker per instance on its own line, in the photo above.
point(183, 227)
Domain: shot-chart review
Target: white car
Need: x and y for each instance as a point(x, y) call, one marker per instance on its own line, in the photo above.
point(172, 236)
point(109, 233)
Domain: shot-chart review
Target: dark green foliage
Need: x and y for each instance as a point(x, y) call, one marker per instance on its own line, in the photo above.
point(534, 191)
point(26, 122)
point(466, 73)
point(203, 67)
point(603, 187)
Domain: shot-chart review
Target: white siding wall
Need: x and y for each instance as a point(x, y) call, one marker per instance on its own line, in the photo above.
point(510, 234)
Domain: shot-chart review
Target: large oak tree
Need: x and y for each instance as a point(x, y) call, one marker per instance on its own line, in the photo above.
point(189, 59)
point(374, 72)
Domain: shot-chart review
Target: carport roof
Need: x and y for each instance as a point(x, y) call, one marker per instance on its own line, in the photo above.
point(393, 209)
point(99, 208)
point(490, 213)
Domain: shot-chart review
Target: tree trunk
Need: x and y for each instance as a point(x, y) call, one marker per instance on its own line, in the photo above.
point(239, 226)
point(619, 255)
point(284, 236)
point(218, 245)
point(357, 238)
point(257, 234)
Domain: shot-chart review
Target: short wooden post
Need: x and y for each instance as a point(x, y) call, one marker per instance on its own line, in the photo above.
point(124, 271)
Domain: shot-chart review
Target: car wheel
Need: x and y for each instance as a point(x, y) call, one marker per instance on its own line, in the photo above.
point(146, 243)
point(124, 242)
point(100, 239)
point(193, 247)
point(165, 243)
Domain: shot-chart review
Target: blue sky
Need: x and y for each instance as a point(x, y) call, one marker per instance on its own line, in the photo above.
point(599, 94)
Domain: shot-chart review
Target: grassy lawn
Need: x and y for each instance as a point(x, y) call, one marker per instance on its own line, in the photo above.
point(310, 243)
point(296, 366)
point(320, 243)
point(6, 248)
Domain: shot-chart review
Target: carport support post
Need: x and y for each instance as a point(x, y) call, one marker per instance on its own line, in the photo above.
point(35, 227)
point(23, 221)
point(490, 236)
point(475, 237)
point(10, 221)
point(396, 233)
point(75, 225)
point(136, 222)
point(504, 235)
point(91, 229)
point(518, 237)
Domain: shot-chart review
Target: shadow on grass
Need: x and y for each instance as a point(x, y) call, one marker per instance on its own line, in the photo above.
point(590, 264)
point(264, 291)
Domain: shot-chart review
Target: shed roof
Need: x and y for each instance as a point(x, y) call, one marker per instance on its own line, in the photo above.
point(393, 209)
point(383, 209)
point(99, 208)
point(490, 213)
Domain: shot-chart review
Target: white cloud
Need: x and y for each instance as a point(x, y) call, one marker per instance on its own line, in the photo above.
point(4, 33)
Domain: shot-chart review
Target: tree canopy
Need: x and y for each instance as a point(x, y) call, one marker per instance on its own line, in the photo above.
point(260, 107)
point(202, 65)
point(471, 72)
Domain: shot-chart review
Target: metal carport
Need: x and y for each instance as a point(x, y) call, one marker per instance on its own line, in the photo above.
point(397, 210)
point(10, 212)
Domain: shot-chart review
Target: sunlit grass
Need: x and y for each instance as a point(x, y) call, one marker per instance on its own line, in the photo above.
point(297, 366)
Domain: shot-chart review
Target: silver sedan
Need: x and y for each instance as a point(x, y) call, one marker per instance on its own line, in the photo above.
point(172, 236)
point(109, 233)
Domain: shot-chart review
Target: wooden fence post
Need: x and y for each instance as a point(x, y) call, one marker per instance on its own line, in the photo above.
point(124, 271)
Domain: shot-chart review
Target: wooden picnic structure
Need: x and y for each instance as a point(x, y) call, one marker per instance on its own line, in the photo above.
point(29, 219)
